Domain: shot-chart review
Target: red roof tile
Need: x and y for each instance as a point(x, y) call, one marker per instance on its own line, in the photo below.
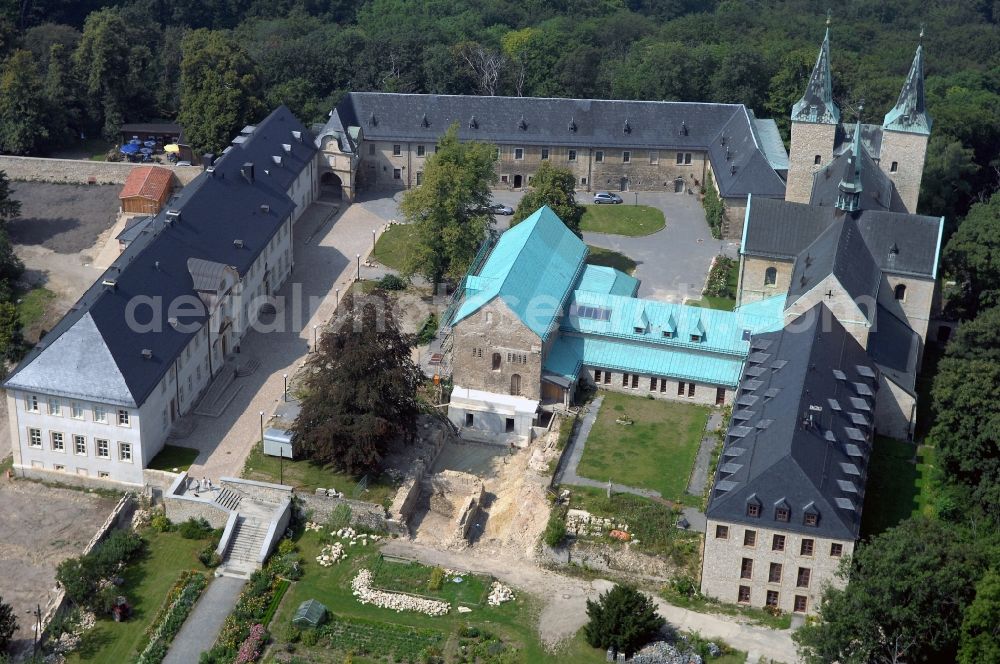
point(146, 182)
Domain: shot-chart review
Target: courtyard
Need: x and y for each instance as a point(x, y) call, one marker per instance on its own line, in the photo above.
point(644, 443)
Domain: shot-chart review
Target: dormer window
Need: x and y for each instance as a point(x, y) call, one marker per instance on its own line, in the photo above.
point(640, 330)
point(753, 510)
point(810, 519)
point(781, 514)
point(667, 334)
point(695, 338)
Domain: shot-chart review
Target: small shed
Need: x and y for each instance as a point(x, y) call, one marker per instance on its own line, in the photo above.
point(146, 190)
point(162, 133)
point(278, 442)
point(310, 613)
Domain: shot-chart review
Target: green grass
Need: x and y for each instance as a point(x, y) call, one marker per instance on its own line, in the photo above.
point(899, 484)
point(609, 258)
point(392, 248)
point(703, 604)
point(631, 220)
point(147, 582)
point(925, 380)
point(656, 452)
point(722, 303)
point(514, 622)
point(33, 306)
point(307, 476)
point(408, 577)
point(173, 456)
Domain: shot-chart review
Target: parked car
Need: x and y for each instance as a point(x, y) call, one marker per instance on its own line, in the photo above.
point(500, 208)
point(606, 197)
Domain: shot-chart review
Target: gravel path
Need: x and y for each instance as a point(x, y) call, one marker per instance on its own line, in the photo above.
point(699, 475)
point(566, 598)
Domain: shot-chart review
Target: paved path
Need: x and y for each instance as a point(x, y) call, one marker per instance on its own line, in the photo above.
point(699, 475)
point(566, 598)
point(203, 625)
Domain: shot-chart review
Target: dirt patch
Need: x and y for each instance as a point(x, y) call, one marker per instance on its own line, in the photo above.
point(64, 218)
point(41, 526)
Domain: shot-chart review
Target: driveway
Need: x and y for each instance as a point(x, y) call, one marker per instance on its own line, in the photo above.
point(673, 264)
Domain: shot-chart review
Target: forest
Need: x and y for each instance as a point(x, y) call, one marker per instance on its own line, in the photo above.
point(81, 68)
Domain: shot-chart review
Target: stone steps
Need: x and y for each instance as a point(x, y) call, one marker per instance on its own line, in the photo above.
point(227, 499)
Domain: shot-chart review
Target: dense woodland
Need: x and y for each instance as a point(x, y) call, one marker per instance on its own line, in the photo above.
point(928, 590)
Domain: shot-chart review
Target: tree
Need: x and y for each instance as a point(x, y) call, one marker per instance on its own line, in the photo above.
point(361, 388)
point(22, 106)
point(101, 60)
point(946, 186)
point(904, 599)
point(11, 338)
point(8, 624)
point(10, 208)
point(622, 618)
point(450, 209)
point(220, 89)
point(973, 255)
point(980, 640)
point(555, 187)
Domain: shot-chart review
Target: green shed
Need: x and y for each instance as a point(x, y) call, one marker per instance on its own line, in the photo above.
point(310, 613)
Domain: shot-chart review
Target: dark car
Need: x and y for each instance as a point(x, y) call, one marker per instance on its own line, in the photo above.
point(500, 208)
point(606, 197)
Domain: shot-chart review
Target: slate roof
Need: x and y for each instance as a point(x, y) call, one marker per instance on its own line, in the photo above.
point(816, 104)
point(150, 182)
point(770, 142)
point(570, 122)
point(797, 435)
point(532, 269)
point(782, 229)
point(215, 209)
point(876, 193)
point(133, 227)
point(894, 346)
point(839, 251)
point(910, 112)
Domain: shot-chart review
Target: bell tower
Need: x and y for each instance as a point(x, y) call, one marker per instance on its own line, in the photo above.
point(905, 132)
point(814, 128)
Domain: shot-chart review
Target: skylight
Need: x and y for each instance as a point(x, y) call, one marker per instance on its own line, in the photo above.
point(594, 313)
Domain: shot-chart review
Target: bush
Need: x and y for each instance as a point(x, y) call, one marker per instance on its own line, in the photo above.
point(288, 566)
point(209, 557)
point(718, 278)
point(293, 634)
point(391, 282)
point(309, 637)
point(684, 586)
point(428, 330)
point(160, 523)
point(622, 618)
point(339, 518)
point(8, 624)
point(80, 576)
point(555, 529)
point(195, 528)
point(286, 546)
point(715, 208)
point(437, 579)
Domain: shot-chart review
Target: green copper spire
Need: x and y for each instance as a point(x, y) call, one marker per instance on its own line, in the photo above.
point(817, 104)
point(850, 185)
point(910, 112)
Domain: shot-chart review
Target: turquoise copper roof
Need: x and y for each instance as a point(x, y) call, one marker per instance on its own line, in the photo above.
point(816, 104)
point(910, 112)
point(664, 323)
point(532, 269)
point(772, 308)
point(570, 353)
point(607, 280)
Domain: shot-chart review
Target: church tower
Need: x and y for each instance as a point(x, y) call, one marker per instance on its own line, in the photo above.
point(905, 132)
point(814, 128)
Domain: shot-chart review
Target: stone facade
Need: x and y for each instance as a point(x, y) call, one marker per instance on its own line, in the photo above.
point(494, 352)
point(753, 279)
point(79, 171)
point(895, 410)
point(902, 159)
point(853, 315)
point(657, 387)
point(723, 568)
point(916, 301)
point(809, 141)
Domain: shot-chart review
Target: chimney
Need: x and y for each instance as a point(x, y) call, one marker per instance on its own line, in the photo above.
point(109, 283)
point(207, 161)
point(247, 171)
point(172, 215)
point(265, 208)
point(238, 244)
point(147, 354)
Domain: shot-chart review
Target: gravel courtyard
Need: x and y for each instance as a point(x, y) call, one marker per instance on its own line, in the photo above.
point(65, 218)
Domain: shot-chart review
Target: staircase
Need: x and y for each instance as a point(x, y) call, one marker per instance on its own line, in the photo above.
point(228, 500)
point(240, 557)
point(242, 371)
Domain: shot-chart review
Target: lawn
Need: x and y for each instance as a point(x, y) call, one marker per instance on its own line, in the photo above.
point(656, 452)
point(146, 584)
point(899, 484)
point(631, 220)
point(609, 258)
point(402, 636)
point(410, 577)
point(33, 305)
point(392, 248)
point(173, 457)
point(307, 476)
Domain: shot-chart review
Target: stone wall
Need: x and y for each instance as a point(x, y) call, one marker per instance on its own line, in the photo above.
point(182, 508)
point(908, 151)
point(753, 270)
point(850, 312)
point(369, 515)
point(895, 410)
point(262, 491)
point(723, 558)
point(704, 394)
point(809, 140)
point(276, 530)
point(79, 171)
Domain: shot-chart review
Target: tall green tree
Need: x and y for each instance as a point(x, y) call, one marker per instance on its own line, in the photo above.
point(449, 210)
point(361, 388)
point(61, 99)
point(980, 640)
point(23, 120)
point(10, 207)
point(102, 64)
point(555, 187)
point(904, 599)
point(973, 256)
point(947, 186)
point(8, 624)
point(220, 89)
point(622, 618)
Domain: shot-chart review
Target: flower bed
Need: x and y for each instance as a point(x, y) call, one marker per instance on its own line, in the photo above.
point(253, 605)
point(362, 588)
point(252, 647)
point(171, 616)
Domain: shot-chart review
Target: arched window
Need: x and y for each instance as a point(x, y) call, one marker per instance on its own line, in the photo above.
point(496, 361)
point(817, 160)
point(770, 276)
point(900, 292)
point(515, 385)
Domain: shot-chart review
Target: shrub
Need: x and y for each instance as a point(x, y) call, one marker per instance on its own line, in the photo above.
point(289, 566)
point(80, 576)
point(339, 518)
point(160, 523)
point(309, 637)
point(391, 282)
point(555, 529)
point(684, 586)
point(428, 330)
point(195, 528)
point(252, 647)
point(293, 634)
point(718, 278)
point(286, 546)
point(715, 208)
point(622, 618)
point(8, 624)
point(209, 557)
point(436, 580)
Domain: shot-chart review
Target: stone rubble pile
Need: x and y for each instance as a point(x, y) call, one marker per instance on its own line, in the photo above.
point(331, 554)
point(361, 586)
point(581, 522)
point(499, 594)
point(312, 525)
point(661, 652)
